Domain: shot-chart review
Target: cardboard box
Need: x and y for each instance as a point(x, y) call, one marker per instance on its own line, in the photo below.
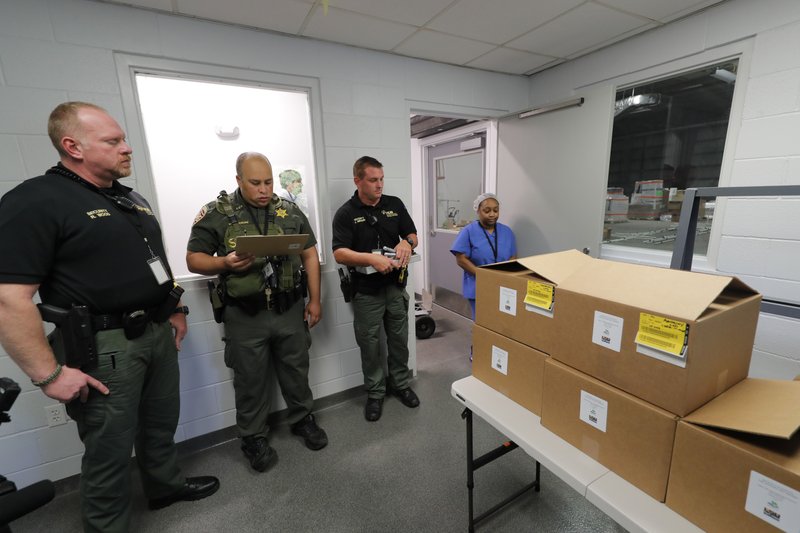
point(736, 463)
point(504, 288)
point(676, 202)
point(674, 338)
point(511, 368)
point(629, 436)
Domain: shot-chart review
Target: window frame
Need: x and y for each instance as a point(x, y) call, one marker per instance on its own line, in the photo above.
point(129, 65)
point(741, 50)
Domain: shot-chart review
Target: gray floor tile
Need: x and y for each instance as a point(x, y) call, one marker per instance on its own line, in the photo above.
point(404, 473)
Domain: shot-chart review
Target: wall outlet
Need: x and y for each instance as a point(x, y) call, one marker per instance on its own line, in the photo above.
point(56, 414)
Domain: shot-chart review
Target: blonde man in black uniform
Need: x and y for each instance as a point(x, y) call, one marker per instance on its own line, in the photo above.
point(92, 247)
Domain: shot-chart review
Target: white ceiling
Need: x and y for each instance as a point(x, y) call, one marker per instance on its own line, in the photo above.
point(511, 36)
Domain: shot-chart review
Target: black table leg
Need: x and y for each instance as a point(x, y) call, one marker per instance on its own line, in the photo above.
point(474, 463)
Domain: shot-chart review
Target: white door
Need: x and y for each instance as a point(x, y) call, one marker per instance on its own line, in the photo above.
point(552, 172)
point(456, 175)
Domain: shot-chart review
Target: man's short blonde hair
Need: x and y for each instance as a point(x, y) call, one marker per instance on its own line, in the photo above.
point(64, 122)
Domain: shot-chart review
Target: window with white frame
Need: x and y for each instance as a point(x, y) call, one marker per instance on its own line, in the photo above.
point(668, 135)
point(196, 128)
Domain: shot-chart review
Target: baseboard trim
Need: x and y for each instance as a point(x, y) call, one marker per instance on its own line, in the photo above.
point(221, 436)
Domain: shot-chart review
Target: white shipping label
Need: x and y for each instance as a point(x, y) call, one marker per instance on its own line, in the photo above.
point(594, 411)
point(607, 331)
point(500, 360)
point(773, 502)
point(508, 301)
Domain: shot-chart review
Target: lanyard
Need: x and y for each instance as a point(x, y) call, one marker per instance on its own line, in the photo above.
point(489, 240)
point(254, 217)
point(130, 212)
point(128, 207)
point(372, 221)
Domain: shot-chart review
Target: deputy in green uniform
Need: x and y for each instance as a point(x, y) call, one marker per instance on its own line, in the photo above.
point(266, 318)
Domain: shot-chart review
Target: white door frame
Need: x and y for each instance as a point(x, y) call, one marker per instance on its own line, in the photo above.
point(422, 198)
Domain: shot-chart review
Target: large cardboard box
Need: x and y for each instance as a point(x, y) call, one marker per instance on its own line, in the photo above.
point(518, 298)
point(736, 463)
point(673, 338)
point(511, 368)
point(626, 434)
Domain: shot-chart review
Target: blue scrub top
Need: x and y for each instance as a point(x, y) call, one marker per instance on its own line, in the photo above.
point(472, 242)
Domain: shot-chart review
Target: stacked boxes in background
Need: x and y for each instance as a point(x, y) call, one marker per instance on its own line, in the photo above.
point(675, 203)
point(648, 201)
point(616, 205)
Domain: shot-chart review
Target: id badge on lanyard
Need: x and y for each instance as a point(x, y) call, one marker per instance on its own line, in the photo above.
point(157, 268)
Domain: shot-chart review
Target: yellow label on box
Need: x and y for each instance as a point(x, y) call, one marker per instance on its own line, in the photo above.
point(664, 334)
point(540, 295)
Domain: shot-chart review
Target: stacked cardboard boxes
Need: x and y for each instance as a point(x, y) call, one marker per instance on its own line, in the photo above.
point(628, 435)
point(513, 330)
point(673, 338)
point(511, 368)
point(519, 298)
point(736, 460)
point(632, 349)
point(648, 201)
point(675, 203)
point(616, 205)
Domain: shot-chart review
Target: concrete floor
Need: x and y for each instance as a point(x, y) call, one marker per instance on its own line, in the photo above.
point(406, 472)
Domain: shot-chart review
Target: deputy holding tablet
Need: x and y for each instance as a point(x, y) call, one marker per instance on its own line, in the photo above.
point(265, 313)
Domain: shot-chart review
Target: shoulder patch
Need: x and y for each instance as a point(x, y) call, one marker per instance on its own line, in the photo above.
point(200, 215)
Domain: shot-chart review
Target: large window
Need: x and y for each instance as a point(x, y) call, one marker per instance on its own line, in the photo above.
point(668, 135)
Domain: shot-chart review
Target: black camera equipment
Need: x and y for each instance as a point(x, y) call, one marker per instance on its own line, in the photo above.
point(16, 503)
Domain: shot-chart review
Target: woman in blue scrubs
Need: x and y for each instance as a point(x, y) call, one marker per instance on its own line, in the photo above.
point(481, 242)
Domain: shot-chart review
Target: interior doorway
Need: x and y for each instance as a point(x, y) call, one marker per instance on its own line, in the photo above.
point(455, 158)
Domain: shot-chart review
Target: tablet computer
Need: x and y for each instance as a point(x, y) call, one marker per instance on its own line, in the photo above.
point(269, 245)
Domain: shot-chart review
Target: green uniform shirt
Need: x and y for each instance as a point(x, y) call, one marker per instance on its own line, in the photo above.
point(214, 232)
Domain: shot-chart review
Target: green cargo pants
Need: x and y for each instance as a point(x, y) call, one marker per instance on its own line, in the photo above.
point(141, 411)
point(390, 308)
point(253, 344)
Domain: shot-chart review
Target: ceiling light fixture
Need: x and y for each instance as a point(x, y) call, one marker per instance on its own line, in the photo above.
point(724, 75)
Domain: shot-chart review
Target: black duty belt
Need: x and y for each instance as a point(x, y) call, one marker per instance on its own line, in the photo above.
point(280, 301)
point(116, 320)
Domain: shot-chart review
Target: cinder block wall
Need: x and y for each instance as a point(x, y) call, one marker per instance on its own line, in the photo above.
point(760, 238)
point(57, 50)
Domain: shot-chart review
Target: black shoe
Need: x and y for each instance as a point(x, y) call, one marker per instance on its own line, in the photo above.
point(373, 409)
point(260, 454)
point(194, 488)
point(315, 436)
point(408, 397)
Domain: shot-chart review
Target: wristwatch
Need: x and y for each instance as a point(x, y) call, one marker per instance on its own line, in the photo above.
point(410, 241)
point(182, 309)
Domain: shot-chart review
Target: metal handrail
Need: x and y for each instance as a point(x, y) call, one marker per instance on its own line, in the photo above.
point(682, 253)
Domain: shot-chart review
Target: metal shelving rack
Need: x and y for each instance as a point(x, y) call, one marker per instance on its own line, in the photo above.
point(687, 228)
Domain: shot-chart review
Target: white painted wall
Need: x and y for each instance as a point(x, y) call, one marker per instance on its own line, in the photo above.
point(757, 239)
point(57, 50)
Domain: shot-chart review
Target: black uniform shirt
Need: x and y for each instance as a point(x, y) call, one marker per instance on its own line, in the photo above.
point(80, 246)
point(364, 228)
